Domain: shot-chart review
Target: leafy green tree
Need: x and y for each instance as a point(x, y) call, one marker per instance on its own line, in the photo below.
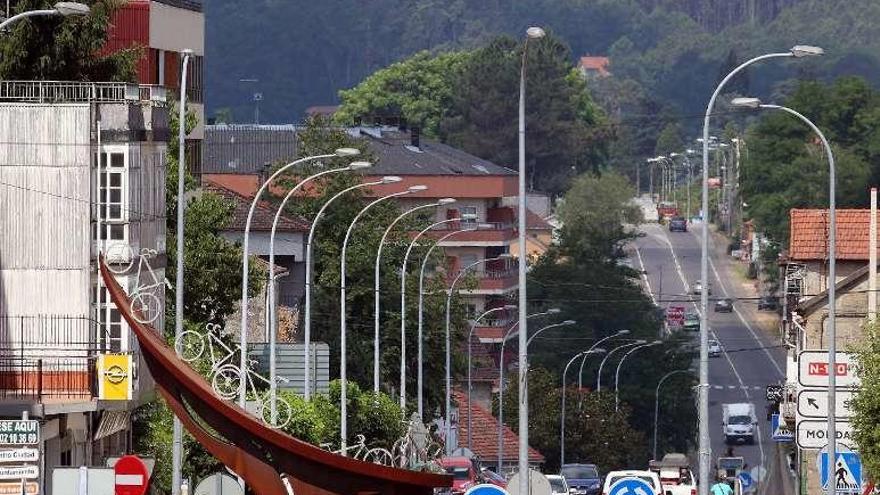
point(62, 48)
point(670, 140)
point(417, 91)
point(866, 403)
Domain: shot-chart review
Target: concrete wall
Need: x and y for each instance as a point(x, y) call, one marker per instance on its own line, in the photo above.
point(174, 29)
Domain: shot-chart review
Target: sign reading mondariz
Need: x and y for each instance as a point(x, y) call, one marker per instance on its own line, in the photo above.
point(19, 432)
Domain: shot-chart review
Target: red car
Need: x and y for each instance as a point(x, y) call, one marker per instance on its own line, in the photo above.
point(463, 471)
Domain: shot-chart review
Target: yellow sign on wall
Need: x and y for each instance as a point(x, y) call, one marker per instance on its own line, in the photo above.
point(114, 377)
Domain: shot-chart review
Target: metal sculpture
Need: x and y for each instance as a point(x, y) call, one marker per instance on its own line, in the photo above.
point(143, 298)
point(264, 457)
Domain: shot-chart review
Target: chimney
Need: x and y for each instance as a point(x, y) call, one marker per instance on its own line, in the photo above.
point(414, 136)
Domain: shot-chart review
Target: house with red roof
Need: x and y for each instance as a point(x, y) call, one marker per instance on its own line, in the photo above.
point(591, 67)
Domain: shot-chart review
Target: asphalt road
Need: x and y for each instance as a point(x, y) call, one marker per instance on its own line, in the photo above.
point(751, 359)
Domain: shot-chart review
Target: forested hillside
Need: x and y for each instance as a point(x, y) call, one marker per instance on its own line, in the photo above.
point(304, 52)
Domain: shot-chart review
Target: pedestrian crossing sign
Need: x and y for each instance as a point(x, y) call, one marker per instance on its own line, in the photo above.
point(847, 476)
point(780, 431)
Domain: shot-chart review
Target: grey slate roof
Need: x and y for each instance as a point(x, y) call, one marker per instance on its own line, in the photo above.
point(396, 156)
point(246, 148)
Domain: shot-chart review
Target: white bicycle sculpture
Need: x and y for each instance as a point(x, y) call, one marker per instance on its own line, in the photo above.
point(226, 378)
point(362, 452)
point(144, 299)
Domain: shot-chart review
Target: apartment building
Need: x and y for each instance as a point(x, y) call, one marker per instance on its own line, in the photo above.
point(82, 171)
point(164, 28)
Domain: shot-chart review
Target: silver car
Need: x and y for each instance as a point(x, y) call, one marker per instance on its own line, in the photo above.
point(715, 349)
point(558, 486)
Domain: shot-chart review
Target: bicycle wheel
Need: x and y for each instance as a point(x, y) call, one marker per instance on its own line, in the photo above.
point(379, 456)
point(119, 258)
point(227, 382)
point(146, 307)
point(191, 345)
point(283, 412)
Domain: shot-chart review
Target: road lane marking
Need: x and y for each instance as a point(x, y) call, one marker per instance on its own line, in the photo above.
point(645, 275)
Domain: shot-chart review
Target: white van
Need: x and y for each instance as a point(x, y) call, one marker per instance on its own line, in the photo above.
point(738, 422)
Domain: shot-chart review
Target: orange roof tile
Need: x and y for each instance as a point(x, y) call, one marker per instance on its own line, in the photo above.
point(598, 64)
point(485, 435)
point(809, 234)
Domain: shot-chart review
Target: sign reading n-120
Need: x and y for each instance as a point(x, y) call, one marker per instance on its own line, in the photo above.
point(813, 369)
point(19, 432)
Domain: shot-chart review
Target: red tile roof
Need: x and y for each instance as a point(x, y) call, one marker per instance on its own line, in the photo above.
point(809, 234)
point(485, 435)
point(598, 64)
point(535, 222)
point(264, 214)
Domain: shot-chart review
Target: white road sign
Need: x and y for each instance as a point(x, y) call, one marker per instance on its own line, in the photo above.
point(19, 432)
point(813, 369)
point(19, 455)
point(19, 472)
point(812, 433)
point(813, 403)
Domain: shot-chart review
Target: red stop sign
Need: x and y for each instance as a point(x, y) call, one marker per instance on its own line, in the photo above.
point(131, 476)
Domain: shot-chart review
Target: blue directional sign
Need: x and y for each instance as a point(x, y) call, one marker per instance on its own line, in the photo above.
point(747, 482)
point(847, 472)
point(779, 430)
point(631, 486)
point(486, 489)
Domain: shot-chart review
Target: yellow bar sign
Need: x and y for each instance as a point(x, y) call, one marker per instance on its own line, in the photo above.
point(114, 377)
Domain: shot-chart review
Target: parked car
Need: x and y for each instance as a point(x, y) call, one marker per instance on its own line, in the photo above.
point(558, 486)
point(678, 224)
point(714, 348)
point(648, 477)
point(691, 321)
point(494, 478)
point(463, 471)
point(698, 287)
point(768, 303)
point(582, 479)
point(675, 474)
point(724, 305)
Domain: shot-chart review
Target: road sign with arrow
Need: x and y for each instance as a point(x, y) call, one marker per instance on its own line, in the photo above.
point(813, 403)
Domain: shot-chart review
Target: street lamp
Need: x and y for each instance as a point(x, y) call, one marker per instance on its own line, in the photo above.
point(704, 446)
point(451, 290)
point(532, 33)
point(245, 260)
point(510, 332)
point(353, 166)
point(612, 351)
point(66, 9)
point(307, 320)
point(508, 307)
point(343, 358)
point(590, 351)
point(620, 365)
point(584, 360)
point(425, 259)
point(832, 268)
point(657, 405)
point(376, 277)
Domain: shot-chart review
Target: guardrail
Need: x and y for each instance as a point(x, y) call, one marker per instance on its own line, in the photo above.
point(49, 336)
point(48, 378)
point(76, 91)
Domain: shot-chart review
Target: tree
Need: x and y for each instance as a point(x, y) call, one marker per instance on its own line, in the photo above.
point(866, 402)
point(59, 48)
point(670, 140)
point(416, 91)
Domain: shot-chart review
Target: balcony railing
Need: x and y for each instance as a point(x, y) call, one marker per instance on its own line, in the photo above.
point(49, 336)
point(483, 226)
point(77, 92)
point(27, 378)
point(486, 274)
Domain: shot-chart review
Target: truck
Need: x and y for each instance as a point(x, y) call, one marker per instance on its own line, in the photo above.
point(738, 422)
point(675, 474)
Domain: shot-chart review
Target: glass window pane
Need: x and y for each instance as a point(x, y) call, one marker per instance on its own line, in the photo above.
point(117, 232)
point(117, 160)
point(116, 180)
point(115, 212)
point(115, 195)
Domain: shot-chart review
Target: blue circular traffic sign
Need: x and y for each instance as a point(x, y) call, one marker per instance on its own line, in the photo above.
point(630, 486)
point(486, 489)
point(746, 480)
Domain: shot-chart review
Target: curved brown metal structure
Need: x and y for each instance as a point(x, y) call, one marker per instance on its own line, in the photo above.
point(259, 454)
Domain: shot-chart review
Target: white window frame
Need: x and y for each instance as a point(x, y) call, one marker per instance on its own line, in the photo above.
point(105, 309)
point(468, 214)
point(121, 223)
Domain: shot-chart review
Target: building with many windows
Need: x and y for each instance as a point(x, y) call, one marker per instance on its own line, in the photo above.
point(82, 172)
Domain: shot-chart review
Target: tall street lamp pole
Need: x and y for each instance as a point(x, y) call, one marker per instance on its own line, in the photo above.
point(420, 343)
point(588, 352)
point(377, 277)
point(307, 319)
point(177, 427)
point(477, 320)
point(273, 324)
point(66, 9)
point(657, 405)
point(608, 355)
point(343, 356)
point(448, 402)
point(594, 346)
point(531, 33)
point(832, 276)
point(704, 447)
point(620, 365)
